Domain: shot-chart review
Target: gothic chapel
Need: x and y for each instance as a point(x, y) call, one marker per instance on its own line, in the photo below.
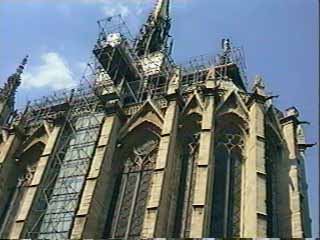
point(145, 148)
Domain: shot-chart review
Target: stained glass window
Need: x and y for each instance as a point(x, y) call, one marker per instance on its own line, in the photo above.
point(22, 178)
point(134, 190)
point(226, 209)
point(273, 155)
point(191, 150)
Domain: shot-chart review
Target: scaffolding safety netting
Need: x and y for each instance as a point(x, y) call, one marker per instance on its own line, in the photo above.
point(114, 72)
point(63, 200)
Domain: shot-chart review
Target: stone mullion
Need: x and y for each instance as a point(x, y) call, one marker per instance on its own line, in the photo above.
point(120, 202)
point(156, 220)
point(25, 214)
point(202, 194)
point(134, 202)
point(94, 202)
point(187, 193)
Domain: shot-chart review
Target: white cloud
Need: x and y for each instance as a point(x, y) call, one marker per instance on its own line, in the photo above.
point(53, 73)
point(81, 67)
point(127, 7)
point(115, 1)
point(116, 8)
point(123, 7)
point(95, 1)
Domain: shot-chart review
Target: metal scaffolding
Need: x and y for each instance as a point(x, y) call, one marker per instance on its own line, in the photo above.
point(61, 190)
point(83, 109)
point(133, 77)
point(195, 71)
point(66, 192)
point(228, 65)
point(114, 72)
point(60, 194)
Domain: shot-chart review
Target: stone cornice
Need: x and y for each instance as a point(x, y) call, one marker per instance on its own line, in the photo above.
point(257, 98)
point(289, 119)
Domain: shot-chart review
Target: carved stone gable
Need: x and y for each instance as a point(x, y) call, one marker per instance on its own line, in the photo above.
point(194, 104)
point(233, 103)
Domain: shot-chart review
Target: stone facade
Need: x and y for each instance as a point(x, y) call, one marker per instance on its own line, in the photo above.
point(176, 152)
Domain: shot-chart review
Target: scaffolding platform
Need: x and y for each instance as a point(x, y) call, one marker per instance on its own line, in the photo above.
point(113, 53)
point(115, 71)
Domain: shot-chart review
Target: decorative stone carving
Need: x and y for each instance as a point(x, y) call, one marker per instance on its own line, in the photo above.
point(26, 179)
point(142, 155)
point(258, 85)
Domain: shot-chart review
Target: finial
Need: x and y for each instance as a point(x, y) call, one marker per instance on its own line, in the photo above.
point(154, 34)
point(258, 82)
point(226, 44)
point(8, 91)
point(15, 79)
point(22, 65)
point(161, 9)
point(292, 111)
point(259, 86)
point(13, 82)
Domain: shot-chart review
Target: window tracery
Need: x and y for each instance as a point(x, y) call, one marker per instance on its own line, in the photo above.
point(26, 179)
point(229, 149)
point(190, 155)
point(188, 152)
point(25, 170)
point(134, 189)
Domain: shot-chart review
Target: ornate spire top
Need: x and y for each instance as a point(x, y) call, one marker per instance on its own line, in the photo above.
point(22, 65)
point(258, 82)
point(10, 87)
point(162, 9)
point(154, 33)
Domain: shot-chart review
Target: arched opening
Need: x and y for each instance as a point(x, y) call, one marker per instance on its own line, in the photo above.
point(188, 135)
point(136, 158)
point(227, 190)
point(21, 178)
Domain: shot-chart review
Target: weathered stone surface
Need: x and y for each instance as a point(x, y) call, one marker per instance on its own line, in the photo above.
point(160, 151)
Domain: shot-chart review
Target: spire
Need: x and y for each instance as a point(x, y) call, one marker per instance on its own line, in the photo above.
point(162, 9)
point(154, 33)
point(7, 93)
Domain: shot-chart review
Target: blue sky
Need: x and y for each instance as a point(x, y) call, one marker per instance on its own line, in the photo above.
point(280, 39)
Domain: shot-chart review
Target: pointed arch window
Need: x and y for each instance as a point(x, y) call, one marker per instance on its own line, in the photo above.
point(226, 209)
point(19, 179)
point(273, 156)
point(134, 189)
point(189, 161)
point(188, 152)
